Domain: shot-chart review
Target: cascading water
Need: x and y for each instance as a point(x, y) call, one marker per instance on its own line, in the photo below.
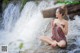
point(74, 33)
point(10, 16)
point(29, 26)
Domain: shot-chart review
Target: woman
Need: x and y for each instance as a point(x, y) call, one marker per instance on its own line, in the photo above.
point(59, 30)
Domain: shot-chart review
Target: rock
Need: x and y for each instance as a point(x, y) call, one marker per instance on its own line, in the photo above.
point(71, 10)
point(72, 47)
point(63, 51)
point(77, 51)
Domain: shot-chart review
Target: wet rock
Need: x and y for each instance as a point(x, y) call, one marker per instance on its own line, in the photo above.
point(70, 41)
point(46, 49)
point(77, 51)
point(72, 47)
point(63, 51)
point(72, 10)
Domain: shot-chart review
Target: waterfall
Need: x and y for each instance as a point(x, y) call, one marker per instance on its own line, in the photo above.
point(26, 27)
point(31, 24)
point(10, 16)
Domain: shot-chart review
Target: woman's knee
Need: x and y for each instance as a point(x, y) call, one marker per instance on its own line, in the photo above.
point(62, 44)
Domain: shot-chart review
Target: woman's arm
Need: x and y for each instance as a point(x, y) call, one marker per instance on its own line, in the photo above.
point(53, 23)
point(65, 29)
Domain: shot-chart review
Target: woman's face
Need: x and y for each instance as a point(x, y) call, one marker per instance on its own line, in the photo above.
point(58, 13)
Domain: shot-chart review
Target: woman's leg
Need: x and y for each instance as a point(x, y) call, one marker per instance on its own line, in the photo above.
point(48, 40)
point(62, 44)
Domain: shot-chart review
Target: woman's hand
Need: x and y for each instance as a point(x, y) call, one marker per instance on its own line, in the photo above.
point(58, 24)
point(64, 29)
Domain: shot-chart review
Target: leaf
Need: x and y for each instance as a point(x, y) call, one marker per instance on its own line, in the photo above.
point(21, 45)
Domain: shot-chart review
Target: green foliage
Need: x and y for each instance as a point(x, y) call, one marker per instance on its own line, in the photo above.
point(21, 45)
point(5, 2)
point(23, 3)
point(68, 2)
